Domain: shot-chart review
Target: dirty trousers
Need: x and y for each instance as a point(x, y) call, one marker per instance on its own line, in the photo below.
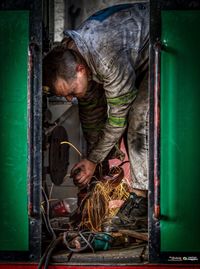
point(137, 137)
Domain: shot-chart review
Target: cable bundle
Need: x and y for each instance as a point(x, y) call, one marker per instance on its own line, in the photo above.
point(96, 208)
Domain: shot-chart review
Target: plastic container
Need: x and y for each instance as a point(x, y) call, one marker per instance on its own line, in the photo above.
point(64, 207)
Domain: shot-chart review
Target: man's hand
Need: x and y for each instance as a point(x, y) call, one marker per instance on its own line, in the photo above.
point(82, 172)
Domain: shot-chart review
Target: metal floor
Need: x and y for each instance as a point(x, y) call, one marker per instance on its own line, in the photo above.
point(134, 254)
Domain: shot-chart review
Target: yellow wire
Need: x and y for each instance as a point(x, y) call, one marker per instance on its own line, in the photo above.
point(66, 142)
point(93, 217)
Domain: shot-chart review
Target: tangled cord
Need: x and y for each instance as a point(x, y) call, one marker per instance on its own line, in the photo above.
point(48, 251)
point(96, 208)
point(55, 240)
point(87, 238)
point(46, 215)
point(84, 238)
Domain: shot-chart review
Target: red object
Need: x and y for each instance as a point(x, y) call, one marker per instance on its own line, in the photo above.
point(146, 266)
point(60, 209)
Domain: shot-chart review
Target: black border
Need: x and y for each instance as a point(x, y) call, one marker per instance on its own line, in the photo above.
point(155, 255)
point(35, 129)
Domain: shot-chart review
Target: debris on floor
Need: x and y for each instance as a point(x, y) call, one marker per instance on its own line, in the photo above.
point(96, 223)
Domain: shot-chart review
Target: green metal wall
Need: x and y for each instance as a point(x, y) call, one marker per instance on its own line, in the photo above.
point(180, 131)
point(14, 39)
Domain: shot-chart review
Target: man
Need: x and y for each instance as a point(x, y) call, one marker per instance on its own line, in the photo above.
point(104, 63)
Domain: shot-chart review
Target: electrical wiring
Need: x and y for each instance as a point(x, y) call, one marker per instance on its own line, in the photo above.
point(44, 255)
point(67, 142)
point(95, 210)
point(47, 214)
point(48, 251)
point(50, 200)
point(45, 221)
point(96, 207)
point(67, 243)
point(51, 190)
point(51, 249)
point(55, 240)
point(60, 229)
point(87, 242)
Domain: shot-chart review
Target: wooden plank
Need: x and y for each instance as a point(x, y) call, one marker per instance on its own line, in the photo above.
point(138, 235)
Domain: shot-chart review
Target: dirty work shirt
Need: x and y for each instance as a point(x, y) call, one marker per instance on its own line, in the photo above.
point(114, 43)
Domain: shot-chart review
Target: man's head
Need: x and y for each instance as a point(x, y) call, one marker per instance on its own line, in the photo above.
point(65, 72)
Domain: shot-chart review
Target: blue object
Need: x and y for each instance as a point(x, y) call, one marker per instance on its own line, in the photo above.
point(107, 12)
point(102, 241)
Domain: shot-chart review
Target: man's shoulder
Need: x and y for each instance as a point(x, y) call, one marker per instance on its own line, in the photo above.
point(113, 11)
point(110, 16)
point(115, 28)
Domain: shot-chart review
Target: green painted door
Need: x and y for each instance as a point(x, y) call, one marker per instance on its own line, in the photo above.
point(180, 131)
point(14, 39)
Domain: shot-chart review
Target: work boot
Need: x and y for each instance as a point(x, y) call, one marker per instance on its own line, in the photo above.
point(132, 215)
point(135, 206)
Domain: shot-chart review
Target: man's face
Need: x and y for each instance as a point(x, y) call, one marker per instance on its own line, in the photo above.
point(74, 88)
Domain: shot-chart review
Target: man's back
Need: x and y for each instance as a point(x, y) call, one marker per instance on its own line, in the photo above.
point(109, 32)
